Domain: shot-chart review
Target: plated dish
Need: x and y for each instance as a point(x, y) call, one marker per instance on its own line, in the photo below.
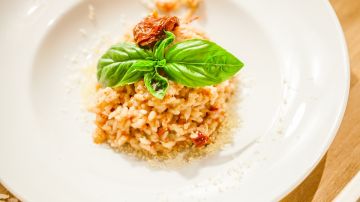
point(165, 91)
point(296, 73)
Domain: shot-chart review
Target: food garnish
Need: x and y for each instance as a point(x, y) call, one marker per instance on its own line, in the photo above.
point(192, 63)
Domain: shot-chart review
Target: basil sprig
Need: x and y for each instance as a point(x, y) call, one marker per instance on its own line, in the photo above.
point(192, 63)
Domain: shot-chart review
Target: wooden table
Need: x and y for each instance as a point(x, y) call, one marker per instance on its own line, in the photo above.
point(342, 161)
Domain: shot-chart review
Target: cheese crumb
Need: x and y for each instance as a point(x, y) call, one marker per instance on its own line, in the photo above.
point(194, 135)
point(145, 141)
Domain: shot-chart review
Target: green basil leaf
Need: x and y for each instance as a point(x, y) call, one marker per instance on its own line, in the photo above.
point(197, 63)
point(156, 84)
point(136, 72)
point(117, 62)
point(160, 46)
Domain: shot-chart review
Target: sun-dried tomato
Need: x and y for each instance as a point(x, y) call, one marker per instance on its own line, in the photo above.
point(161, 131)
point(213, 108)
point(181, 121)
point(151, 29)
point(200, 140)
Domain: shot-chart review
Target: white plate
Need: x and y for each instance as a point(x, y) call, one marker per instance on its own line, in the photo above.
point(296, 82)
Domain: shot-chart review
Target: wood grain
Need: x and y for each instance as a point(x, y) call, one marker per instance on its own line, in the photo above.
point(342, 161)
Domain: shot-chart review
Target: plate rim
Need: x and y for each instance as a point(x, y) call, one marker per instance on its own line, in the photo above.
point(339, 118)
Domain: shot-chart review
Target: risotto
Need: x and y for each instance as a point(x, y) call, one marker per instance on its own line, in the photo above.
point(129, 118)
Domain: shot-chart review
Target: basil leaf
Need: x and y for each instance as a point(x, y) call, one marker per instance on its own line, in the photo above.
point(136, 72)
point(156, 84)
point(161, 45)
point(193, 63)
point(197, 63)
point(117, 62)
